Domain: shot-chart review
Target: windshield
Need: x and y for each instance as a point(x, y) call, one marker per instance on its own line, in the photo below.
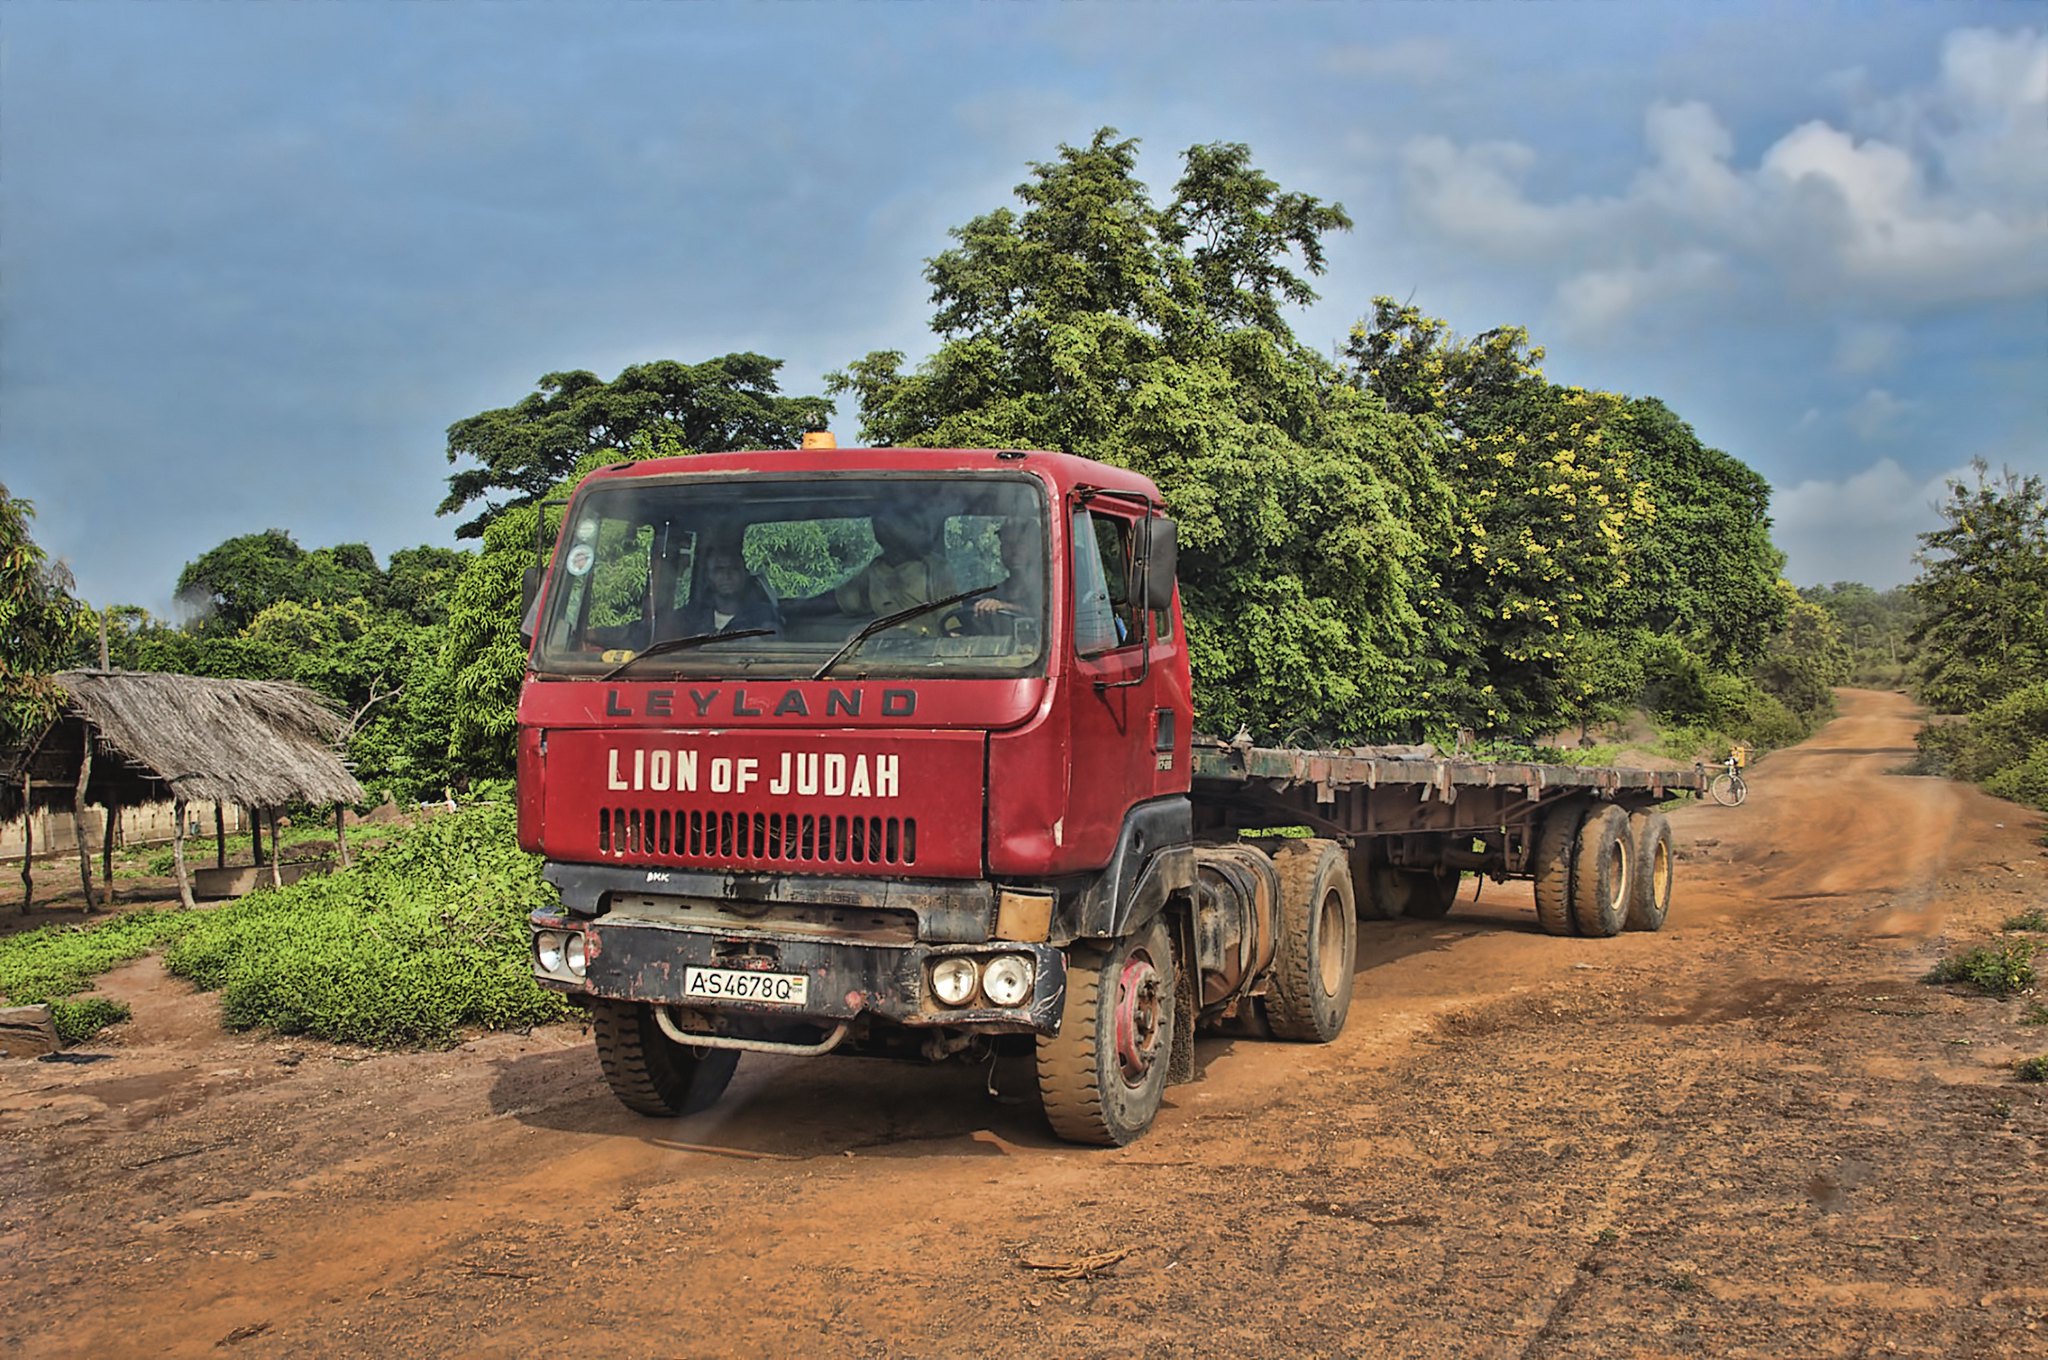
point(780, 576)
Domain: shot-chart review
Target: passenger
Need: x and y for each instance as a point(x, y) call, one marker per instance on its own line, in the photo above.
point(731, 599)
point(910, 570)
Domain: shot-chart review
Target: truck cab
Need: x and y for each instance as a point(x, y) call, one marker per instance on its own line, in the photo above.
point(874, 751)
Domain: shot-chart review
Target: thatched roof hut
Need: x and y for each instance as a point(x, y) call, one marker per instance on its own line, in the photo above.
point(260, 743)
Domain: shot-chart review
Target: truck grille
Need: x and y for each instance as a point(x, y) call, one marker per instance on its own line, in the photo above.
point(700, 837)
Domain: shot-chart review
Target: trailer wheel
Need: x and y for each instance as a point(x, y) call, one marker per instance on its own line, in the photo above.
point(1377, 887)
point(650, 1072)
point(1650, 901)
point(1602, 873)
point(1101, 1078)
point(1317, 945)
point(1431, 893)
point(1556, 845)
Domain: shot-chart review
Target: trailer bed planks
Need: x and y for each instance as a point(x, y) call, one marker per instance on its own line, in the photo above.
point(1378, 791)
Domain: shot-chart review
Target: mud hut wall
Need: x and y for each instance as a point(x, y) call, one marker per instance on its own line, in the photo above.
point(147, 824)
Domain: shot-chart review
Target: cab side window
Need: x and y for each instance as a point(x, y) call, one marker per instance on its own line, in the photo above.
point(1103, 617)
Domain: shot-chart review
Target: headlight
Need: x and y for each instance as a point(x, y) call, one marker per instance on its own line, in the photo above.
point(1007, 980)
point(547, 947)
point(573, 952)
point(953, 981)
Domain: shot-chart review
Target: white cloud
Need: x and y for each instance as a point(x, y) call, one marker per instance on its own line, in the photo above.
point(1600, 301)
point(1943, 200)
point(1877, 413)
point(1869, 346)
point(1863, 527)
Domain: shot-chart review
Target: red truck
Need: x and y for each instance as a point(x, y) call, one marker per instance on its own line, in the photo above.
point(891, 752)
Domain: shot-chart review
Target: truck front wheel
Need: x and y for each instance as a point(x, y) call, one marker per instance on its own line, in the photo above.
point(1316, 946)
point(650, 1072)
point(1102, 1077)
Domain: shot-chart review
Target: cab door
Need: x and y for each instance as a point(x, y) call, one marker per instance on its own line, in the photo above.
point(1119, 697)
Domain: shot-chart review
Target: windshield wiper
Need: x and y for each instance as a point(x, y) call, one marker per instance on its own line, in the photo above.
point(890, 621)
point(681, 644)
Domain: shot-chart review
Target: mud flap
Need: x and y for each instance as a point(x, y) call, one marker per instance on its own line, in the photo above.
point(1181, 1065)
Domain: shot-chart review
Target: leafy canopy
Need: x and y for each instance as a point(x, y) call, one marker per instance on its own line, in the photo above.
point(40, 624)
point(522, 450)
point(1092, 321)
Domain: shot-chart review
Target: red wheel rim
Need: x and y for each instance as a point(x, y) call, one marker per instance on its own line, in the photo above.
point(1137, 1018)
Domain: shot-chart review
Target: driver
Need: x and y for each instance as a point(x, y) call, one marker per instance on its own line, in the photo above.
point(911, 569)
point(1019, 591)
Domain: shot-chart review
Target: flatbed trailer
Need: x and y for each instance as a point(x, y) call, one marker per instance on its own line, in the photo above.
point(1414, 821)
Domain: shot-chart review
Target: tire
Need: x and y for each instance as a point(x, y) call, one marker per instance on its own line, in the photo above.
point(1556, 846)
point(650, 1072)
point(1102, 1077)
point(1317, 944)
point(1377, 888)
point(1431, 893)
point(1728, 790)
point(1649, 901)
point(1603, 873)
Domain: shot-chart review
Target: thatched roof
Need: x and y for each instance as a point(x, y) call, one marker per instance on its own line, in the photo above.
point(260, 743)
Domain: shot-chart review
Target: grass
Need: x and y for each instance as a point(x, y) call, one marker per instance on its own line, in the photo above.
point(1995, 970)
point(2032, 1069)
point(417, 941)
point(2036, 1014)
point(2033, 918)
point(54, 963)
point(408, 947)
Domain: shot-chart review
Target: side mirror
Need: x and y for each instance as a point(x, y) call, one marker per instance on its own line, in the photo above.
point(1159, 556)
point(529, 604)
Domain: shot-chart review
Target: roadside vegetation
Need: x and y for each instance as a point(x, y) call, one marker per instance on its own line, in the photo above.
point(1981, 633)
point(424, 939)
point(1994, 969)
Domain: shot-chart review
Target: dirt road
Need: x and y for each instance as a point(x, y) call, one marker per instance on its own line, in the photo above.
point(1755, 1134)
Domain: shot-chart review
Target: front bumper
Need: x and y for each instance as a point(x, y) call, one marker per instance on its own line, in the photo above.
point(632, 957)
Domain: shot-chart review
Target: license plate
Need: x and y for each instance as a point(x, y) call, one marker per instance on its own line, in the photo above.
point(740, 984)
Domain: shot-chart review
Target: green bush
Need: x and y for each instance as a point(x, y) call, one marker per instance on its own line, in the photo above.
point(2003, 747)
point(426, 937)
point(77, 1021)
point(2032, 1069)
point(1995, 970)
point(55, 962)
point(2033, 918)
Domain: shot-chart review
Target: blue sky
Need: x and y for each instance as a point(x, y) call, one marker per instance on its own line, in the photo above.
point(255, 258)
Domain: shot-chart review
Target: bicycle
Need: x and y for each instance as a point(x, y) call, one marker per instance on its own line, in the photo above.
point(1728, 787)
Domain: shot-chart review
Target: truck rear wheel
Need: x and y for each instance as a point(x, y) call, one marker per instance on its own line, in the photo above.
point(650, 1072)
point(1650, 901)
point(1101, 1078)
point(1602, 873)
point(1556, 845)
point(1317, 944)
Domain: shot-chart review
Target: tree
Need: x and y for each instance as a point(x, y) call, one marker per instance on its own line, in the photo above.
point(40, 623)
point(1415, 364)
point(1982, 592)
point(522, 450)
point(1094, 322)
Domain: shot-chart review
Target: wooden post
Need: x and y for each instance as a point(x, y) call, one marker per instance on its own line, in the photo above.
point(28, 843)
point(255, 835)
point(276, 879)
point(107, 848)
point(341, 831)
point(220, 836)
point(78, 818)
point(178, 856)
